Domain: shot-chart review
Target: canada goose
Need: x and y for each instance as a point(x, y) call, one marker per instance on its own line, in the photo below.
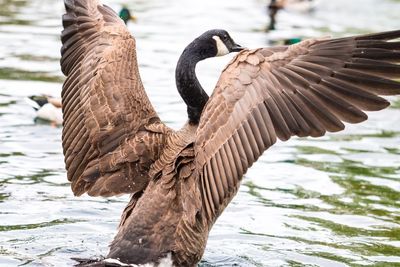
point(181, 181)
point(47, 108)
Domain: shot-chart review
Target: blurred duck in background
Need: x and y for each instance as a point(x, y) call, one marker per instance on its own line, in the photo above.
point(290, 5)
point(47, 108)
point(273, 9)
point(126, 15)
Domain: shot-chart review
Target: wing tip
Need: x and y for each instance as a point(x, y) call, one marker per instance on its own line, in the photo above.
point(386, 35)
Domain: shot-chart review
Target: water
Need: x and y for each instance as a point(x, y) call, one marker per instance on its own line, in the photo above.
point(332, 201)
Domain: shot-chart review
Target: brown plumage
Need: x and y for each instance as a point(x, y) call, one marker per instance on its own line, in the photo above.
point(181, 181)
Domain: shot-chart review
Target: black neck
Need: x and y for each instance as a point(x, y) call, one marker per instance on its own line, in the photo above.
point(186, 81)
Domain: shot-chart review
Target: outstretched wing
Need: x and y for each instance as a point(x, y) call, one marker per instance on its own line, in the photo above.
point(305, 90)
point(111, 132)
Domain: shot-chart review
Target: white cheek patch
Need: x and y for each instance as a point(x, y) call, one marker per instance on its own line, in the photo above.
point(222, 50)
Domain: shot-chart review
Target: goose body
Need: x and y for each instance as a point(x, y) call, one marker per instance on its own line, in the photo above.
point(47, 108)
point(181, 181)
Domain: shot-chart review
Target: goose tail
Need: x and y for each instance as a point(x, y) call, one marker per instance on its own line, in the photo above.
point(92, 262)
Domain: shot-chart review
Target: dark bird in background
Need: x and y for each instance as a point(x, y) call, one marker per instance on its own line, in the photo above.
point(181, 181)
point(273, 9)
point(276, 5)
point(125, 15)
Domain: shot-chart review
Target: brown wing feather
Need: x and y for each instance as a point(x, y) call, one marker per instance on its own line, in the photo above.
point(111, 132)
point(304, 90)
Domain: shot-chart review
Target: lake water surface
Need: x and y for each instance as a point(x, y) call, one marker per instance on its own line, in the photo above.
point(332, 201)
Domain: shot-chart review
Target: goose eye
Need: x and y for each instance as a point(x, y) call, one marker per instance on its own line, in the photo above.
point(224, 38)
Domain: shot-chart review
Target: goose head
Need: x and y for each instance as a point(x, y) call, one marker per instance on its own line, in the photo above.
point(215, 43)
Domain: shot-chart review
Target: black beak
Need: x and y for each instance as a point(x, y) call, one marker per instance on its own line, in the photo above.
point(236, 48)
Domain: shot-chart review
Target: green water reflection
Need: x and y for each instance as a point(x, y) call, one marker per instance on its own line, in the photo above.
point(36, 178)
point(9, 10)
point(36, 225)
point(18, 74)
point(367, 192)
